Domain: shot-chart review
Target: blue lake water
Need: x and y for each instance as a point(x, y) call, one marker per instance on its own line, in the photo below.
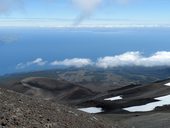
point(26, 44)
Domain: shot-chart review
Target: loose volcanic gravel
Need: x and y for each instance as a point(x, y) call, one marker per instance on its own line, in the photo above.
point(20, 111)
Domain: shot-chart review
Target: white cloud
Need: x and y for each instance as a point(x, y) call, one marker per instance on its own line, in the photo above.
point(75, 62)
point(38, 62)
point(125, 59)
point(161, 58)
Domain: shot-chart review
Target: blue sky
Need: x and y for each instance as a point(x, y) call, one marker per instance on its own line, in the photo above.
point(102, 12)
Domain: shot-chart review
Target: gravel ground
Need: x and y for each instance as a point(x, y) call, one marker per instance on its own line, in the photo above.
point(153, 120)
point(20, 111)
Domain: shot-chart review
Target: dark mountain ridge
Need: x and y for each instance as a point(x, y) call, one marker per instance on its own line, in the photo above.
point(104, 79)
point(52, 89)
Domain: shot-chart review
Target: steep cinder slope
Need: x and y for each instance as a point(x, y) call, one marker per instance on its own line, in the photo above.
point(19, 111)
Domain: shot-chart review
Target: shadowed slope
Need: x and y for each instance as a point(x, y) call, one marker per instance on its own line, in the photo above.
point(52, 89)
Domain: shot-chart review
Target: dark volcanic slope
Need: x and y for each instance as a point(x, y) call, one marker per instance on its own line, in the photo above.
point(152, 90)
point(135, 95)
point(52, 89)
point(132, 95)
point(19, 111)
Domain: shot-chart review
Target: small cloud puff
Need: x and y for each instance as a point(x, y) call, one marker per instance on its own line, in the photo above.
point(37, 62)
point(75, 62)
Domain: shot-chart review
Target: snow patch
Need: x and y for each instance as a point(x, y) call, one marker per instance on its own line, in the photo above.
point(91, 110)
point(164, 100)
point(114, 98)
point(167, 84)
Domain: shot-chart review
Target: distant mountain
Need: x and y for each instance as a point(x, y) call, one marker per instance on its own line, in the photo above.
point(96, 79)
